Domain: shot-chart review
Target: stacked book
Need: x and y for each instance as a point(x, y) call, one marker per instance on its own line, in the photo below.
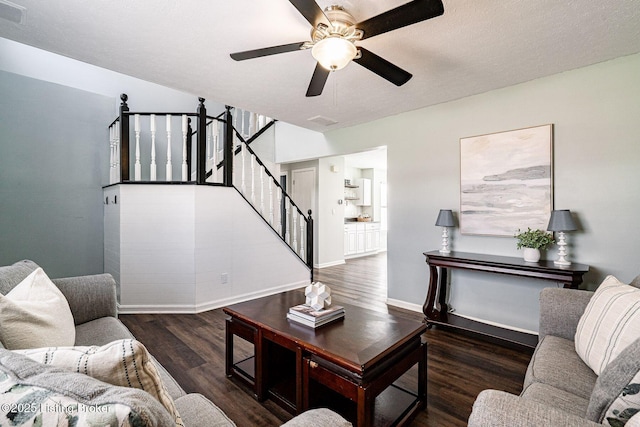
point(309, 316)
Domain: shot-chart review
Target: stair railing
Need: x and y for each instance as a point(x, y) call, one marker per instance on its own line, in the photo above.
point(221, 148)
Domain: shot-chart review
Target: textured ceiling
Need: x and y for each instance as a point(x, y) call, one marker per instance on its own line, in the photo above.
point(476, 46)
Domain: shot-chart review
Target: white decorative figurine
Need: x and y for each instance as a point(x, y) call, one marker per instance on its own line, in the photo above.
point(318, 296)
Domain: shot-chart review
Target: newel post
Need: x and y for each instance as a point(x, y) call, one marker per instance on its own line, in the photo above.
point(124, 138)
point(228, 148)
point(201, 143)
point(310, 243)
point(188, 148)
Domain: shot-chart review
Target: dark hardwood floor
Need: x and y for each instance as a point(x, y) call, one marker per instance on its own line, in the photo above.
point(191, 347)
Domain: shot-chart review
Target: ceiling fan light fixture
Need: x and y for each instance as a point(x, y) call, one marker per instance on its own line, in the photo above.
point(334, 53)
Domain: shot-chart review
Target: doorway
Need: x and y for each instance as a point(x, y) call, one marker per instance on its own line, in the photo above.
point(303, 189)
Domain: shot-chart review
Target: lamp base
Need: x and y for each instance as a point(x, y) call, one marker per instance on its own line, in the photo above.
point(562, 250)
point(445, 241)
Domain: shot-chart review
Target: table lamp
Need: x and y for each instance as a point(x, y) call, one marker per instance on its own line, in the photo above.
point(561, 221)
point(445, 220)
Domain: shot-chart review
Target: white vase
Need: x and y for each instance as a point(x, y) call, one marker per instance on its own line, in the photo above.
point(531, 255)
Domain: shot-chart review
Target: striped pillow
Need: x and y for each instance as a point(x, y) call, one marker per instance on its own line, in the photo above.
point(124, 363)
point(609, 324)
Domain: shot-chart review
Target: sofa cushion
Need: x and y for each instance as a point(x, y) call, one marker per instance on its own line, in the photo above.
point(42, 395)
point(101, 331)
point(610, 323)
point(200, 411)
point(557, 398)
point(556, 363)
point(633, 421)
point(617, 386)
point(495, 408)
point(107, 329)
point(35, 314)
point(125, 363)
point(318, 417)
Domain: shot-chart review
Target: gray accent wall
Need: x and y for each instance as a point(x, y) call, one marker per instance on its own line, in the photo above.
point(595, 111)
point(54, 156)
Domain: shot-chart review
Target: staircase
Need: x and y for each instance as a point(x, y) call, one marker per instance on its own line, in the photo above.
point(166, 157)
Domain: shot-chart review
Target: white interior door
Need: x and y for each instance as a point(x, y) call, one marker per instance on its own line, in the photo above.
point(303, 189)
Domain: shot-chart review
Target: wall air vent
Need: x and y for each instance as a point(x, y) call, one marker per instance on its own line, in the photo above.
point(324, 121)
point(12, 12)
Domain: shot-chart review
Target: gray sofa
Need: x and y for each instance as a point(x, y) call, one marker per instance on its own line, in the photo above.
point(92, 300)
point(559, 388)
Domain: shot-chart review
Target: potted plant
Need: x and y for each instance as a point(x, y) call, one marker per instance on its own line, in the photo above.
point(533, 241)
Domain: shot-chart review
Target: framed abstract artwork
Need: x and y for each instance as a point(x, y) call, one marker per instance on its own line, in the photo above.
point(506, 181)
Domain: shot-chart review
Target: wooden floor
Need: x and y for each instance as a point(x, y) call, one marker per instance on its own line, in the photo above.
point(191, 347)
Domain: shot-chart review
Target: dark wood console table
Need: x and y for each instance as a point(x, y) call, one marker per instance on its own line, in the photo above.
point(435, 307)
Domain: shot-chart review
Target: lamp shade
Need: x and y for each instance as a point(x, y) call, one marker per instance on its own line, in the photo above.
point(334, 53)
point(445, 218)
point(561, 221)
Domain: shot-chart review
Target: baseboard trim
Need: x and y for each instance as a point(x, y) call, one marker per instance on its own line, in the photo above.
point(403, 304)
point(329, 264)
point(205, 306)
point(499, 325)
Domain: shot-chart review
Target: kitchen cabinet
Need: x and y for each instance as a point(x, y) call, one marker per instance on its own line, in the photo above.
point(372, 237)
point(350, 240)
point(363, 192)
point(361, 238)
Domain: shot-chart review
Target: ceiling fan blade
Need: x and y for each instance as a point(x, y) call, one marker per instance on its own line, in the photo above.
point(311, 11)
point(319, 78)
point(382, 67)
point(256, 53)
point(407, 14)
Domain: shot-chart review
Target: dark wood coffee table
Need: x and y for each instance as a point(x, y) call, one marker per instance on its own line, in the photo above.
point(349, 365)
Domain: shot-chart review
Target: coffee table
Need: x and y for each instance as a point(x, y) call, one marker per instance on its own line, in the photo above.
point(350, 365)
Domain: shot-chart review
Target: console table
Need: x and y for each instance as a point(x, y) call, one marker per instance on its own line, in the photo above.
point(435, 307)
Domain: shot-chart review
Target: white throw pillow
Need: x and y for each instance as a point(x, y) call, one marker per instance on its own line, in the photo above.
point(36, 314)
point(124, 363)
point(609, 324)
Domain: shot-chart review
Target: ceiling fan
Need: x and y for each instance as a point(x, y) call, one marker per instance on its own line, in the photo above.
point(335, 32)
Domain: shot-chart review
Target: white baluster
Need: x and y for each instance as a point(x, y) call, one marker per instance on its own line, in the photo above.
point(271, 202)
point(209, 149)
point(287, 208)
point(252, 124)
point(242, 132)
point(279, 192)
point(253, 182)
point(243, 154)
point(262, 173)
point(185, 166)
point(294, 217)
point(153, 168)
point(302, 222)
point(214, 132)
point(137, 169)
point(238, 112)
point(169, 167)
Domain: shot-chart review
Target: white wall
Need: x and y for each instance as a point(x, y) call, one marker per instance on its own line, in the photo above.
point(53, 144)
point(595, 112)
point(330, 213)
point(39, 64)
point(178, 244)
